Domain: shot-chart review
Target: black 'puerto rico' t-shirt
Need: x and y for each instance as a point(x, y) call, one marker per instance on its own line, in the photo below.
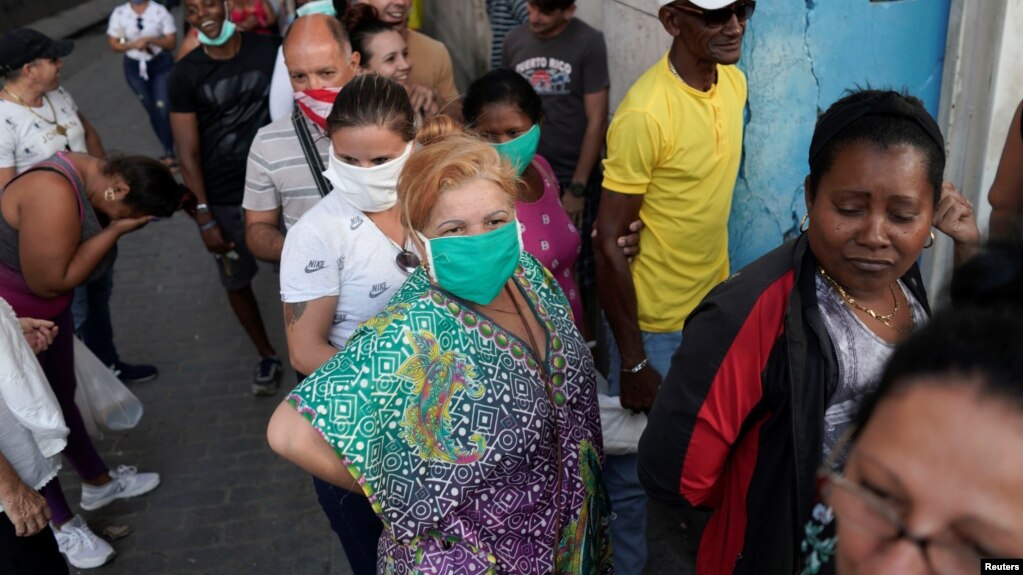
point(230, 101)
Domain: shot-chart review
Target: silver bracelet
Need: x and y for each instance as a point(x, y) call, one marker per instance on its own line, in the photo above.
point(208, 225)
point(638, 367)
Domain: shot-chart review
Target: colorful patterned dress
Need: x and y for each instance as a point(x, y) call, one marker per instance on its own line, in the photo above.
point(475, 458)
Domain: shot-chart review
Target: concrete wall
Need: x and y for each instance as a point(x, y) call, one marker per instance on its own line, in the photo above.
point(799, 55)
point(591, 11)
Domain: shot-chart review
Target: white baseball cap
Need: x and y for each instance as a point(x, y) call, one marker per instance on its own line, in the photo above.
point(705, 4)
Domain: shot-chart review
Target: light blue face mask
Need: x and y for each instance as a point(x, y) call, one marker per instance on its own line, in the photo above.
point(317, 7)
point(226, 31)
point(521, 150)
point(475, 268)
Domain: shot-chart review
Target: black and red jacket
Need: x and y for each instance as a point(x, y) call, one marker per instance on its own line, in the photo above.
point(737, 425)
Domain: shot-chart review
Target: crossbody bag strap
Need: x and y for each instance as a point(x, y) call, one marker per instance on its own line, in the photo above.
point(312, 156)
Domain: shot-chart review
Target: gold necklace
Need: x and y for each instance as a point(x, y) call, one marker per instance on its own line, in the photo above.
point(886, 319)
point(671, 67)
point(61, 130)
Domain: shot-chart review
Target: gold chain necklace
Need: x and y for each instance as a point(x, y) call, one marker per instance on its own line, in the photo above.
point(886, 319)
point(61, 129)
point(671, 67)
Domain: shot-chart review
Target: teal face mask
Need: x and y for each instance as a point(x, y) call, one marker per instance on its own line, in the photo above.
point(317, 7)
point(475, 268)
point(226, 31)
point(521, 150)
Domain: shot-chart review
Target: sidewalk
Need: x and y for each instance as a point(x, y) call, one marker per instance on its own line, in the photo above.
point(227, 505)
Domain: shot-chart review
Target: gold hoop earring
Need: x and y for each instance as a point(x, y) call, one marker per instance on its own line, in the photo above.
point(804, 224)
point(110, 194)
point(930, 241)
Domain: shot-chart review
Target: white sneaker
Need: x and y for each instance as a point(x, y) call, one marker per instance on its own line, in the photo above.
point(80, 545)
point(126, 482)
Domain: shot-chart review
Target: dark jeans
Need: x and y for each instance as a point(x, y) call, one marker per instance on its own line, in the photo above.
point(353, 520)
point(153, 94)
point(91, 310)
point(35, 555)
point(356, 524)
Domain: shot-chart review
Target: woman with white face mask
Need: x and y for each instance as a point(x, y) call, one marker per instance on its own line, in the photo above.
point(345, 258)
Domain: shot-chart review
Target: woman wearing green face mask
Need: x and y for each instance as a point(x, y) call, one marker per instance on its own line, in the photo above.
point(503, 109)
point(466, 409)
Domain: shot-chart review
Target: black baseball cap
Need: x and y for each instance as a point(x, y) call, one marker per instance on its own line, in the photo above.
point(19, 46)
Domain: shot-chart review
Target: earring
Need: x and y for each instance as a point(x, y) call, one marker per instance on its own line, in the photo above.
point(930, 241)
point(804, 224)
point(110, 194)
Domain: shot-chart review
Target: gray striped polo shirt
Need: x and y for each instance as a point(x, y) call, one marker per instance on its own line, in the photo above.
point(277, 174)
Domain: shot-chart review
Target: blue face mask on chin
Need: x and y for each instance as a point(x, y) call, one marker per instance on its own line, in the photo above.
point(317, 7)
point(226, 31)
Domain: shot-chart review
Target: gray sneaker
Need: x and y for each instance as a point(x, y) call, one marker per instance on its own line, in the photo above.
point(80, 546)
point(126, 482)
point(267, 376)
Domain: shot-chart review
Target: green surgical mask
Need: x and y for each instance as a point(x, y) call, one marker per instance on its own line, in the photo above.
point(226, 31)
point(475, 268)
point(521, 150)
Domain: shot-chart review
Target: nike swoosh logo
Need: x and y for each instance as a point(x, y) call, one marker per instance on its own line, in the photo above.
point(356, 222)
point(377, 291)
point(315, 266)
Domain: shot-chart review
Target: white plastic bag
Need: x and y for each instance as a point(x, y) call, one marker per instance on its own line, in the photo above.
point(620, 427)
point(100, 396)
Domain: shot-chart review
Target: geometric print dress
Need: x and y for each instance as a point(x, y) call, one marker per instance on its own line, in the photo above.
point(476, 458)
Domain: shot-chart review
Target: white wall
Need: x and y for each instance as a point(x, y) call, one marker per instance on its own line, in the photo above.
point(1007, 92)
point(982, 84)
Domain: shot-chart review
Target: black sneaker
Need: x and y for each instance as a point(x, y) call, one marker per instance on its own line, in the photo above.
point(129, 373)
point(267, 376)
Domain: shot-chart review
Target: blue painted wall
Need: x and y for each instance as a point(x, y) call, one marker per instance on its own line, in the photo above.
point(799, 57)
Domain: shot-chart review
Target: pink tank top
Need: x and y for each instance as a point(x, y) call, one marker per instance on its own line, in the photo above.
point(551, 237)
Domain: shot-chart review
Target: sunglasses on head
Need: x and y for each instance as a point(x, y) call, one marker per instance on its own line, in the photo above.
point(718, 18)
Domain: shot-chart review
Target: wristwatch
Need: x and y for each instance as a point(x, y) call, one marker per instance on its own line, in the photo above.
point(577, 189)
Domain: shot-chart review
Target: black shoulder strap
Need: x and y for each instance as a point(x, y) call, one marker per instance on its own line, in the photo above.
point(312, 156)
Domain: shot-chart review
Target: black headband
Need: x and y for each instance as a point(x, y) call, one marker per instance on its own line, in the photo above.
point(840, 117)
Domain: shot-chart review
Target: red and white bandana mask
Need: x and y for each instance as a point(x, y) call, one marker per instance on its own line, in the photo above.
point(316, 104)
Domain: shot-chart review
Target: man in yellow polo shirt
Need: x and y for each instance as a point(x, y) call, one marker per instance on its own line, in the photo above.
point(673, 152)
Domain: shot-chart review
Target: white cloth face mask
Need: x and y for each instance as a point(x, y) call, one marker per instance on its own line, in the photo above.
point(367, 189)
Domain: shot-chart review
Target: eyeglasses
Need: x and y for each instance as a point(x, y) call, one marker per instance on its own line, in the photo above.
point(407, 261)
point(718, 18)
point(864, 511)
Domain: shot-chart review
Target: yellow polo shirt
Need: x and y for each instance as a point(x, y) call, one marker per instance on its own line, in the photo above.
point(680, 148)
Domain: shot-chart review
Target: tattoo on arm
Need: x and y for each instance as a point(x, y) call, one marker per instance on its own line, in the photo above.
point(293, 312)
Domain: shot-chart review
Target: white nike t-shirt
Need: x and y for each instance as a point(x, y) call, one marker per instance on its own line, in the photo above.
point(335, 250)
